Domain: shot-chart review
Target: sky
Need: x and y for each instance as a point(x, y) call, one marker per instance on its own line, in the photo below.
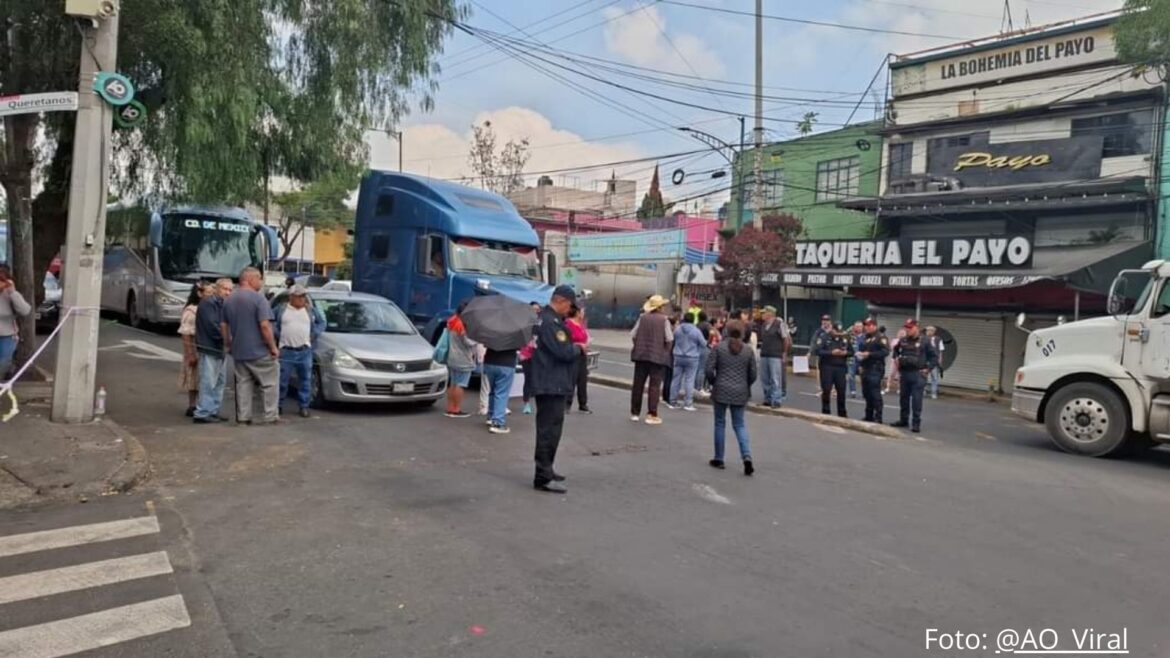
point(578, 122)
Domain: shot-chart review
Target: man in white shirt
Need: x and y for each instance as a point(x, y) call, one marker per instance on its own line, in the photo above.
point(297, 327)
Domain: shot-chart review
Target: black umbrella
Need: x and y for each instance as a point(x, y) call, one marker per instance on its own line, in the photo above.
point(499, 322)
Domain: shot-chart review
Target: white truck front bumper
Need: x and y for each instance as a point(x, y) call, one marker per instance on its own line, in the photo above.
point(1027, 403)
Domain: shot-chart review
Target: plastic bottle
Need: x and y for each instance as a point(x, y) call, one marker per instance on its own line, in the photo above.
point(99, 406)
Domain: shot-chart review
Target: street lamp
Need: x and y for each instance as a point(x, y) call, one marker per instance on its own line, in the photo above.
point(727, 151)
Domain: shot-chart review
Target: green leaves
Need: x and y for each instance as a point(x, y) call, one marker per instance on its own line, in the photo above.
point(1143, 33)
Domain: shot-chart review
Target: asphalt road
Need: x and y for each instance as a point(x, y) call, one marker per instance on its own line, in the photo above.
point(384, 532)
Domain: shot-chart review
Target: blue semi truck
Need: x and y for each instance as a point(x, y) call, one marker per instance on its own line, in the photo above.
point(428, 245)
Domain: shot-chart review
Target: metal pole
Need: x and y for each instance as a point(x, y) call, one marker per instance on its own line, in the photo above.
point(739, 167)
point(918, 306)
point(758, 192)
point(304, 218)
point(1076, 305)
point(400, 151)
point(73, 386)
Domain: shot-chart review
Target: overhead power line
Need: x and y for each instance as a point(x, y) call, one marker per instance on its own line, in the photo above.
point(806, 21)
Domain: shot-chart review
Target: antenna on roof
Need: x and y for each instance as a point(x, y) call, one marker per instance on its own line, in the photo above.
point(1005, 24)
point(1027, 20)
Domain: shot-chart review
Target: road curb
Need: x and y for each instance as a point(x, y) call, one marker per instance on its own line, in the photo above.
point(798, 414)
point(136, 465)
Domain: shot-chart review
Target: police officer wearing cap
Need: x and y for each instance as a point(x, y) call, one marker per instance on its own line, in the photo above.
point(914, 357)
point(871, 358)
point(833, 351)
point(552, 376)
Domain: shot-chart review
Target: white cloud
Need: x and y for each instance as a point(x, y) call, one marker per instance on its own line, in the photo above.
point(640, 38)
point(435, 150)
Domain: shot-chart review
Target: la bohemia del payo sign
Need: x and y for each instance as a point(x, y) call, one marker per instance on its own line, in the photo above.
point(997, 252)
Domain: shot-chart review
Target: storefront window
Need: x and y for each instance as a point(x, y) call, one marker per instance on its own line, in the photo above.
point(838, 179)
point(773, 188)
point(1127, 133)
point(1085, 230)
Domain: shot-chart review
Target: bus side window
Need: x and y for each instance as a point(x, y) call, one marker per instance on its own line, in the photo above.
point(430, 257)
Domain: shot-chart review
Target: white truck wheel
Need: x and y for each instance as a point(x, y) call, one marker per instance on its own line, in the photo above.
point(1088, 419)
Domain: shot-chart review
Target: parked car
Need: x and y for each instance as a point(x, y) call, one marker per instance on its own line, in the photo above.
point(370, 352)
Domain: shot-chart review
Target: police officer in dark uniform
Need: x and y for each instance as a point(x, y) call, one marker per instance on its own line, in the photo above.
point(875, 347)
point(552, 373)
point(833, 350)
point(914, 357)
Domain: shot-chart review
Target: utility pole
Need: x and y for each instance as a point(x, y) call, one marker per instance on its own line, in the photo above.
point(739, 167)
point(758, 191)
point(73, 386)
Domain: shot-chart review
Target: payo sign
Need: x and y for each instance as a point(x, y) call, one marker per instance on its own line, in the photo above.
point(975, 252)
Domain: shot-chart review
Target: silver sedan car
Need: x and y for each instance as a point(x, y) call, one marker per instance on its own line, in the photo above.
point(370, 352)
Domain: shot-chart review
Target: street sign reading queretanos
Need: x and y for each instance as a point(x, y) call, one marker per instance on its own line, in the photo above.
point(1017, 163)
point(57, 101)
point(977, 252)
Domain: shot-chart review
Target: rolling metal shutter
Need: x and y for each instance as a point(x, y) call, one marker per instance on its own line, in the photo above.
point(977, 346)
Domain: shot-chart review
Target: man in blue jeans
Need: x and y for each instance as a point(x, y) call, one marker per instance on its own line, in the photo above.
point(774, 345)
point(857, 337)
point(689, 345)
point(209, 347)
point(297, 327)
point(499, 368)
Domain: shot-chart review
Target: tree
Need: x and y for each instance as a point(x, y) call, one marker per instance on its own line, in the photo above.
point(320, 206)
point(754, 253)
point(499, 171)
point(653, 204)
point(237, 92)
point(806, 123)
point(1143, 34)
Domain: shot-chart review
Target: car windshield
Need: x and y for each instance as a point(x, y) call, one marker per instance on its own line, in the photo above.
point(195, 247)
point(355, 316)
point(498, 258)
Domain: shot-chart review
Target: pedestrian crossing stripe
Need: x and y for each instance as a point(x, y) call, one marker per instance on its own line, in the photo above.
point(44, 540)
point(95, 630)
point(82, 576)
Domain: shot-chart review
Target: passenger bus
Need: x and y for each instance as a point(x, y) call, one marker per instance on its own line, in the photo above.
point(153, 257)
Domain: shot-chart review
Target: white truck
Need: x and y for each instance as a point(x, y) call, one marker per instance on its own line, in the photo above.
point(1102, 386)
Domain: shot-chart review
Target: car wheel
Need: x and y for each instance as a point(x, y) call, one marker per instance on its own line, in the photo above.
point(317, 391)
point(133, 318)
point(1088, 419)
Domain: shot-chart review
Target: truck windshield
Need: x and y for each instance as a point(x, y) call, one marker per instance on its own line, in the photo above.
point(353, 316)
point(498, 258)
point(201, 247)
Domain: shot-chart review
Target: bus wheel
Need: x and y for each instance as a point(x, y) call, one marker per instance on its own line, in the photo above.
point(133, 318)
point(1088, 419)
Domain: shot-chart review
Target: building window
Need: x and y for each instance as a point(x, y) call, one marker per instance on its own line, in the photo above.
point(773, 188)
point(1127, 133)
point(952, 141)
point(900, 157)
point(838, 179)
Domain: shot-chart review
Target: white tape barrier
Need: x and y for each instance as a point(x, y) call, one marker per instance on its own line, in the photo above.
point(6, 387)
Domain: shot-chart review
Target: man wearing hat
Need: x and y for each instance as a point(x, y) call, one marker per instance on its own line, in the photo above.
point(821, 331)
point(871, 360)
point(552, 373)
point(833, 349)
point(296, 328)
point(914, 357)
point(774, 345)
point(652, 354)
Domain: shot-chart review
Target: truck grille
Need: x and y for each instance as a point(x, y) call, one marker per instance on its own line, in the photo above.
point(398, 366)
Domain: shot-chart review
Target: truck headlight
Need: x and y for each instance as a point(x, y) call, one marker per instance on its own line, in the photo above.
point(167, 299)
point(343, 359)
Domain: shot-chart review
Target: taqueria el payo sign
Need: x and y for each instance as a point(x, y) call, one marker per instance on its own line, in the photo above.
point(990, 252)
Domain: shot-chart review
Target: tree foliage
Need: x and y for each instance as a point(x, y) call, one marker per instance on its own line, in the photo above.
point(1143, 33)
point(320, 206)
point(806, 123)
point(653, 204)
point(499, 170)
point(754, 253)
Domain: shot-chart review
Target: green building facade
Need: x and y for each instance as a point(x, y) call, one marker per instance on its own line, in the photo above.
point(807, 176)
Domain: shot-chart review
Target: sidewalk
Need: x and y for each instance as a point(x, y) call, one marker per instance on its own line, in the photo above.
point(41, 460)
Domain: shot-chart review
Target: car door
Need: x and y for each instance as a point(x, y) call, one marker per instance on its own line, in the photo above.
point(1155, 336)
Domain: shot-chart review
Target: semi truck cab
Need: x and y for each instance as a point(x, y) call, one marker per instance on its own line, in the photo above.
point(1102, 385)
point(428, 245)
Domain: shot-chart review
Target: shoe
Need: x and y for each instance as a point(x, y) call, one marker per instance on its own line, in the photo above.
point(670, 405)
point(916, 430)
point(653, 420)
point(244, 422)
point(190, 412)
point(222, 419)
point(934, 397)
point(716, 463)
point(527, 411)
point(842, 414)
point(488, 422)
point(586, 410)
point(557, 477)
point(900, 423)
point(457, 414)
point(748, 468)
point(499, 429)
point(635, 418)
point(507, 412)
point(305, 413)
point(690, 407)
point(868, 419)
point(550, 487)
point(482, 412)
point(826, 412)
point(210, 420)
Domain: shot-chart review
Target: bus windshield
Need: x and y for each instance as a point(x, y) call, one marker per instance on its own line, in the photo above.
point(498, 258)
point(201, 247)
